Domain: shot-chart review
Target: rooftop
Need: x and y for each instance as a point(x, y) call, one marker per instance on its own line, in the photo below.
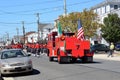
point(106, 2)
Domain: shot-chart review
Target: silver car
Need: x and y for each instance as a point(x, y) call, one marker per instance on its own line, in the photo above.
point(14, 61)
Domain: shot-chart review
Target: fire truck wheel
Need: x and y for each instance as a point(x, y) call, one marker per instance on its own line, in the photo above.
point(83, 60)
point(47, 52)
point(87, 59)
point(59, 60)
point(51, 58)
point(73, 60)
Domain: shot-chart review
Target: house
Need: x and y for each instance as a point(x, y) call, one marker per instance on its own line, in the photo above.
point(45, 29)
point(31, 37)
point(103, 9)
point(106, 7)
point(16, 39)
point(28, 37)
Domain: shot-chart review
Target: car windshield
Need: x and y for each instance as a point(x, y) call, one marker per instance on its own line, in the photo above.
point(102, 45)
point(12, 54)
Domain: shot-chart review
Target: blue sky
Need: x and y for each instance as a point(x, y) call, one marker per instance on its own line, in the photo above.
point(13, 12)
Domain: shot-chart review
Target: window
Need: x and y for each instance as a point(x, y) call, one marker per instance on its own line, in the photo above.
point(115, 6)
point(105, 9)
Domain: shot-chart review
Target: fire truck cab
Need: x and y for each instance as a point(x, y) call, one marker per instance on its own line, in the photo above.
point(67, 48)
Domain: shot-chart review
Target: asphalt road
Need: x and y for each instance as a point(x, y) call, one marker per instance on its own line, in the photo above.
point(45, 70)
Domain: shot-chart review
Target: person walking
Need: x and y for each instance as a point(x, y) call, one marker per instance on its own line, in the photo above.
point(111, 49)
point(37, 46)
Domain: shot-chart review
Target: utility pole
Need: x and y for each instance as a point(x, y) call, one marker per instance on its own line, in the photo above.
point(65, 9)
point(17, 34)
point(7, 35)
point(23, 31)
point(38, 27)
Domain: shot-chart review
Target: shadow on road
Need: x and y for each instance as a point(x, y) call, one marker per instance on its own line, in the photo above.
point(34, 72)
point(78, 61)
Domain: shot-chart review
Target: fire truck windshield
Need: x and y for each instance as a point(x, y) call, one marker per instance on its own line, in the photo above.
point(69, 34)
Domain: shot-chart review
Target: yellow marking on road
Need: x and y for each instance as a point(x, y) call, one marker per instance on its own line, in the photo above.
point(8, 78)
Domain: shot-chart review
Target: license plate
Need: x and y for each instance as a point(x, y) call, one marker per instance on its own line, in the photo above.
point(69, 54)
point(18, 68)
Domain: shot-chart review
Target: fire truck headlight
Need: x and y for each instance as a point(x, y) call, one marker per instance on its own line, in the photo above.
point(62, 38)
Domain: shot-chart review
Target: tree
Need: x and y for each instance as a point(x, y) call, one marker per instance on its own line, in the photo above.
point(111, 28)
point(87, 17)
point(90, 24)
point(69, 22)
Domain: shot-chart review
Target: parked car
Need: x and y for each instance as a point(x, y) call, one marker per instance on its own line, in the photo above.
point(117, 46)
point(14, 61)
point(99, 47)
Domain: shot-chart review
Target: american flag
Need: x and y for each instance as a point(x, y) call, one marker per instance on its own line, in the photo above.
point(80, 34)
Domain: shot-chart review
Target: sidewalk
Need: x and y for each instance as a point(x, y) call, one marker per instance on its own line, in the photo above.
point(116, 56)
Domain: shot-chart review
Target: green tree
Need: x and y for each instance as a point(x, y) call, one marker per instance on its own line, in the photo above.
point(87, 17)
point(111, 28)
point(89, 22)
point(69, 22)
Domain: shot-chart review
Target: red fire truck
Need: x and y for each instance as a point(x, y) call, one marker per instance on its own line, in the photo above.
point(67, 48)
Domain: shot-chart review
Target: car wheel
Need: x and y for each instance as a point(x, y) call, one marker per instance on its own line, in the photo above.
point(95, 51)
point(51, 59)
point(1, 77)
point(106, 51)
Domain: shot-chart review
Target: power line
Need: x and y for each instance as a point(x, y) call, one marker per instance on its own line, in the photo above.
point(57, 7)
point(29, 4)
point(43, 12)
point(28, 23)
point(16, 23)
point(26, 11)
point(8, 23)
point(11, 13)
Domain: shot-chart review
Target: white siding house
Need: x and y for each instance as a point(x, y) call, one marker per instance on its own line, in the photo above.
point(106, 7)
point(31, 38)
point(103, 9)
point(44, 29)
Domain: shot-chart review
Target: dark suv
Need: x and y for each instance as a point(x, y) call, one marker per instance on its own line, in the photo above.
point(99, 47)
